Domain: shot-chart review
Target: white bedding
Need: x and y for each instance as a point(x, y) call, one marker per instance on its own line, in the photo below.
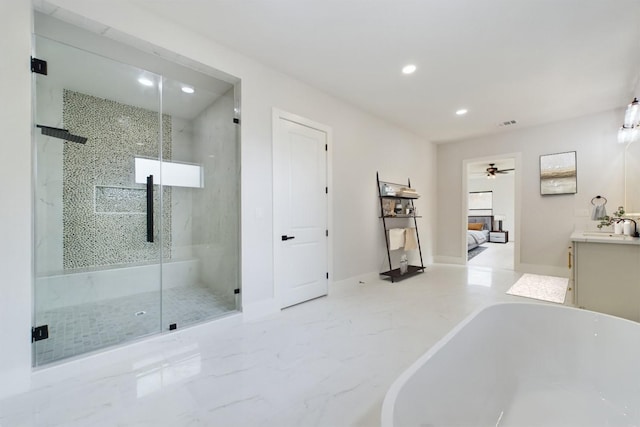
point(476, 238)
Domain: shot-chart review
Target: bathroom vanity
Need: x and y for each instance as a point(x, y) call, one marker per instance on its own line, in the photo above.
point(605, 273)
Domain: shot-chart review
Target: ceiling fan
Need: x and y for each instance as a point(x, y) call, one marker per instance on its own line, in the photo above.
point(492, 170)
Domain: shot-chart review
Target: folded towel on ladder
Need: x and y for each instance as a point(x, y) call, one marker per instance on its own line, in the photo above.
point(410, 239)
point(396, 238)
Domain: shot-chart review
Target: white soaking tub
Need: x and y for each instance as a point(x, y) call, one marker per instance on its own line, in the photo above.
point(524, 364)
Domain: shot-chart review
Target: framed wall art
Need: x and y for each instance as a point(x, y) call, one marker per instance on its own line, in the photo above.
point(558, 173)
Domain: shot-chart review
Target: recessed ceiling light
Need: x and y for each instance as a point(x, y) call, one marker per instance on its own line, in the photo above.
point(461, 112)
point(409, 69)
point(145, 81)
point(188, 89)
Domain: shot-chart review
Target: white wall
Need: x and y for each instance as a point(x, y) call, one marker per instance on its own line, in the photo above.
point(15, 197)
point(503, 188)
point(362, 145)
point(546, 221)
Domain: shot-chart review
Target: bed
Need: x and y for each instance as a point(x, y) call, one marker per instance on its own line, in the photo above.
point(478, 230)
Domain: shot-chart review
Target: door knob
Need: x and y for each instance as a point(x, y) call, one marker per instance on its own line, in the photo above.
point(288, 238)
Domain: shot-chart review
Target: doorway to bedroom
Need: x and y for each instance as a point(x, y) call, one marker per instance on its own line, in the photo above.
point(491, 212)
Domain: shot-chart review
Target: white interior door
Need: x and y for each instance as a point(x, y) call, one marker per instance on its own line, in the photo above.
point(300, 211)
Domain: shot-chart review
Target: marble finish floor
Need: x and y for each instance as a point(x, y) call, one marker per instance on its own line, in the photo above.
point(497, 255)
point(84, 328)
point(327, 362)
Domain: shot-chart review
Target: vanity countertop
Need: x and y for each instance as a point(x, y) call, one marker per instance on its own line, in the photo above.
point(603, 237)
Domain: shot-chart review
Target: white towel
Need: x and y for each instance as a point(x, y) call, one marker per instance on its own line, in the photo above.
point(598, 212)
point(410, 239)
point(396, 238)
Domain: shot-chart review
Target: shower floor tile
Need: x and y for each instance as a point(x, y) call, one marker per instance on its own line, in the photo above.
point(87, 327)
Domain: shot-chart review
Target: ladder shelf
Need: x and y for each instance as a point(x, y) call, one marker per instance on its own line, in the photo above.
point(397, 207)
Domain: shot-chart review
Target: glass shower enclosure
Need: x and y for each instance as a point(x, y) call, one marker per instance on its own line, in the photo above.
point(136, 198)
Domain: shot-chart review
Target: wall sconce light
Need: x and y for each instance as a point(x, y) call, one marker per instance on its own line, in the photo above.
point(632, 114)
point(629, 131)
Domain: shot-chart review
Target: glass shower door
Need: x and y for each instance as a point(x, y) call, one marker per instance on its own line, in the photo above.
point(99, 215)
point(201, 278)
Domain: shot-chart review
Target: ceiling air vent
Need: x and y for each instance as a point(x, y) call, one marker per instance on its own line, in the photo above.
point(507, 123)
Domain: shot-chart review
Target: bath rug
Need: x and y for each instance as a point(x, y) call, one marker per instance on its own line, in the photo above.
point(545, 288)
point(476, 251)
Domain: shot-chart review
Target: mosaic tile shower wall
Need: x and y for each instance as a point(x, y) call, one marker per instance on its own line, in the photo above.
point(104, 209)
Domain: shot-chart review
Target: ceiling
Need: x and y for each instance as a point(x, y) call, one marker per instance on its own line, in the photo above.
point(532, 61)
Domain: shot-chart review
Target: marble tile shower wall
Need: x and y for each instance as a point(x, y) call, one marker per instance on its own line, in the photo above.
point(104, 221)
point(216, 218)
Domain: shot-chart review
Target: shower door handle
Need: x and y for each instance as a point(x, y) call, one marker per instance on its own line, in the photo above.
point(150, 208)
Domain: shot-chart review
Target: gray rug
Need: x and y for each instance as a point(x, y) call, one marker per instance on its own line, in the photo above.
point(475, 252)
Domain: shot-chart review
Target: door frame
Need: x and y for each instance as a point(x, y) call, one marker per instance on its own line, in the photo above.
point(517, 203)
point(277, 115)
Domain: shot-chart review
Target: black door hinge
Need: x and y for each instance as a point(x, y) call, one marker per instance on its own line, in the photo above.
point(326, 190)
point(326, 233)
point(173, 326)
point(326, 147)
point(236, 120)
point(327, 275)
point(38, 66)
point(236, 291)
point(39, 333)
